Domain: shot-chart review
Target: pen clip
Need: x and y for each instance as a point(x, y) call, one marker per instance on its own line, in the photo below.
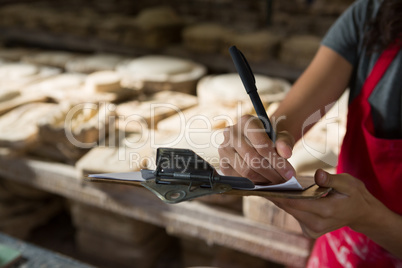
point(244, 69)
point(247, 65)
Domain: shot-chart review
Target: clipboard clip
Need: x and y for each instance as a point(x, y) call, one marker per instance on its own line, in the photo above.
point(182, 175)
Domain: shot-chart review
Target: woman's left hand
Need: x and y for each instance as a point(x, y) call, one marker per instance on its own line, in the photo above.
point(348, 204)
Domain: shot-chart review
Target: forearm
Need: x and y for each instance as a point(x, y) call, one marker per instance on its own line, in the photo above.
point(322, 83)
point(384, 228)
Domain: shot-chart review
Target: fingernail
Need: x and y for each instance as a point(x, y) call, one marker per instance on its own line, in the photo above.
point(289, 174)
point(322, 177)
point(288, 151)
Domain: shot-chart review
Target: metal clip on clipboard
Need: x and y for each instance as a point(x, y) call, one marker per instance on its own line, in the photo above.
point(182, 175)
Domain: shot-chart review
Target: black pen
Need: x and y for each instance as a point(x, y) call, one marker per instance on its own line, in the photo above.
point(248, 79)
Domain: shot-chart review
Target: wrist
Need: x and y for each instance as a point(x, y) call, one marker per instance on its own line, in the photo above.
point(375, 218)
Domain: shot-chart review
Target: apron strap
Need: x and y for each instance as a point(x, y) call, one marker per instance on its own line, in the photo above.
point(379, 69)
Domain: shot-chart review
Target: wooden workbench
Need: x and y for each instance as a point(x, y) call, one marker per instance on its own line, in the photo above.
point(214, 225)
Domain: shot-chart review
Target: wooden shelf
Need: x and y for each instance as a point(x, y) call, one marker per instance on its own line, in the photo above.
point(214, 225)
point(63, 41)
point(216, 63)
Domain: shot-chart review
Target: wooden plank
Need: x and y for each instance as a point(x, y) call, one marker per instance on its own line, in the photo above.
point(217, 226)
point(238, 233)
point(196, 252)
point(105, 223)
point(21, 225)
point(119, 254)
point(234, 259)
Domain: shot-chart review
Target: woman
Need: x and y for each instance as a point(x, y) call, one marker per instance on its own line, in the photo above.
point(358, 223)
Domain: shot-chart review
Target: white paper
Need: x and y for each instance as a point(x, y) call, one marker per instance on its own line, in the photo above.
point(290, 185)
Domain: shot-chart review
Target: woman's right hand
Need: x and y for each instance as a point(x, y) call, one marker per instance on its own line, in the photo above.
point(247, 151)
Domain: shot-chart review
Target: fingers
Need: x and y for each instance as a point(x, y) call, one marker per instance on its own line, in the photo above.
point(225, 166)
point(284, 144)
point(313, 224)
point(316, 207)
point(232, 164)
point(310, 233)
point(249, 151)
point(252, 129)
point(256, 166)
point(350, 204)
point(240, 153)
point(228, 170)
point(342, 183)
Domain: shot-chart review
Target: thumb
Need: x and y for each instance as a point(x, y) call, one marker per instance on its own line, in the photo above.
point(342, 183)
point(284, 144)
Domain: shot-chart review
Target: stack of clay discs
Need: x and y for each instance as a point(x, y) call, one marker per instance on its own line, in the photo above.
point(93, 63)
point(8, 95)
point(56, 83)
point(299, 50)
point(19, 126)
point(56, 87)
point(158, 17)
point(158, 73)
point(103, 81)
point(50, 58)
point(205, 38)
point(228, 90)
point(79, 24)
point(55, 23)
point(10, 99)
point(108, 85)
point(109, 29)
point(258, 46)
point(17, 75)
point(156, 107)
point(69, 122)
point(154, 28)
point(17, 70)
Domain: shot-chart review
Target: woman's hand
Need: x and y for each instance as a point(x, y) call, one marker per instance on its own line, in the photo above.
point(247, 151)
point(349, 204)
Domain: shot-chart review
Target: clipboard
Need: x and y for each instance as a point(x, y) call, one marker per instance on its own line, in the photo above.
point(174, 183)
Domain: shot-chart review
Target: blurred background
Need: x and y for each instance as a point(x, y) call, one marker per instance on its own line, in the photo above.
point(96, 86)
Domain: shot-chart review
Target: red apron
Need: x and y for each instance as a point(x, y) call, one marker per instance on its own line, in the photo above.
point(378, 163)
